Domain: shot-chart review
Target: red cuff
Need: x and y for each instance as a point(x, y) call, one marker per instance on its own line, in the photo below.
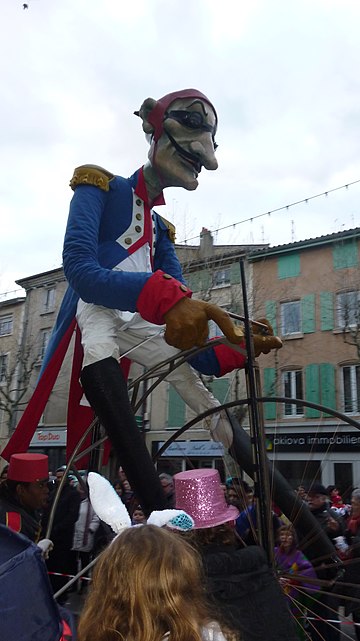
point(160, 294)
point(67, 634)
point(229, 359)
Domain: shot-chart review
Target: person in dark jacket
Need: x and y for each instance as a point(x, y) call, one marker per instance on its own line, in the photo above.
point(326, 604)
point(24, 494)
point(246, 525)
point(352, 556)
point(241, 587)
point(167, 483)
point(62, 559)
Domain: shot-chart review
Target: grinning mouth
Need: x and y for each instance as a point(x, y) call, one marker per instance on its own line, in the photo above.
point(185, 155)
point(193, 161)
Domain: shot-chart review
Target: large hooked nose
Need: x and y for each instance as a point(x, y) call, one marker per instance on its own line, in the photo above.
point(204, 149)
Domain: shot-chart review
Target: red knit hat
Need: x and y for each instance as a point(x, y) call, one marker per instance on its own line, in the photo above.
point(27, 468)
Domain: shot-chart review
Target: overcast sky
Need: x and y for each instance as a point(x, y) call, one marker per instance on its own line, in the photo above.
point(283, 75)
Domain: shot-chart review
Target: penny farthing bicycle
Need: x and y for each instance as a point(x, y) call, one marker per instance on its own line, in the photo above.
point(248, 454)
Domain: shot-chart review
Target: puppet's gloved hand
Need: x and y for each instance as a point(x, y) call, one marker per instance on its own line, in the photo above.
point(230, 358)
point(264, 340)
point(187, 324)
point(45, 545)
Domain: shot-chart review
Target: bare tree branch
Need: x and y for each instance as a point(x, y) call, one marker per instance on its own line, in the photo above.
point(15, 380)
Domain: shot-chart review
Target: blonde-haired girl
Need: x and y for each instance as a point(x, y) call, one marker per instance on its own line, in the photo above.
point(147, 586)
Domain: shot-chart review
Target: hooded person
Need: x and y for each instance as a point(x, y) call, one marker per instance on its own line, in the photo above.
point(127, 292)
point(241, 586)
point(28, 609)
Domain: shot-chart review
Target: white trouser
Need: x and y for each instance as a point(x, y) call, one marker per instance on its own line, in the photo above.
point(111, 333)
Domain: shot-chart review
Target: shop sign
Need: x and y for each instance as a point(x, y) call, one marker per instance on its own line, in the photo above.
point(314, 442)
point(49, 438)
point(193, 449)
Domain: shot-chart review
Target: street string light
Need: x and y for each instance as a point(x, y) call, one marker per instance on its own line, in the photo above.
point(273, 211)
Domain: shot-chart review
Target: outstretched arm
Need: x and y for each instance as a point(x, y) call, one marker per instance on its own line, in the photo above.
point(222, 359)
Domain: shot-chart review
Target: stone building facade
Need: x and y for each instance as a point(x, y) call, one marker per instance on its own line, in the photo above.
point(11, 383)
point(310, 291)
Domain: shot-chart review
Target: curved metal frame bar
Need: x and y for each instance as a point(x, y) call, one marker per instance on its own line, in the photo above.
point(246, 401)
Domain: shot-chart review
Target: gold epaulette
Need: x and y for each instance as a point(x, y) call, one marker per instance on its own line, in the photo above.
point(91, 175)
point(171, 229)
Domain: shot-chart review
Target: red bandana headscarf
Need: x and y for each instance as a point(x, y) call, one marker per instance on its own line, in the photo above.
point(156, 115)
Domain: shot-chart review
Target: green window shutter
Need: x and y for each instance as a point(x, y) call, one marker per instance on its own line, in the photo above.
point(326, 311)
point(176, 409)
point(312, 389)
point(270, 313)
point(235, 273)
point(205, 279)
point(269, 390)
point(288, 266)
point(220, 389)
point(327, 382)
point(308, 313)
point(345, 254)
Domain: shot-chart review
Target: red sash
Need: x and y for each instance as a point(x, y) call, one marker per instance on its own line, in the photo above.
point(13, 521)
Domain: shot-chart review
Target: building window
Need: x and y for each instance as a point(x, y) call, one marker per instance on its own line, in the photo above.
point(348, 309)
point(4, 359)
point(222, 277)
point(49, 300)
point(291, 318)
point(44, 341)
point(214, 330)
point(6, 324)
point(351, 388)
point(293, 388)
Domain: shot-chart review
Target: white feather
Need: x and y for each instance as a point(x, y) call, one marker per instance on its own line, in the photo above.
point(107, 504)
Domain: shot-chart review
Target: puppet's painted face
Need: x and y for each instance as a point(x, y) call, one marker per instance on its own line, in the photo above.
point(186, 145)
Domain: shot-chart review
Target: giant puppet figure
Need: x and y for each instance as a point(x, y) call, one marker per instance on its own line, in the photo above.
point(125, 284)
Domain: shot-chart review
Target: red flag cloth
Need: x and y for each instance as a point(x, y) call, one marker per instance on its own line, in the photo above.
point(79, 416)
point(29, 421)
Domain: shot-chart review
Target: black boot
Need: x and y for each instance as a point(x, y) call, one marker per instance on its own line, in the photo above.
point(105, 389)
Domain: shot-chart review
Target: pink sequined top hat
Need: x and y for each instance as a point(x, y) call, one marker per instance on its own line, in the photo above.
point(199, 494)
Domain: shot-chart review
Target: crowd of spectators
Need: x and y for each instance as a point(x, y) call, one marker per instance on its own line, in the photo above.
point(238, 575)
point(315, 604)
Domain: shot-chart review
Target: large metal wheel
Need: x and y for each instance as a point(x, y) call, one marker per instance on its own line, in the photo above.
point(312, 539)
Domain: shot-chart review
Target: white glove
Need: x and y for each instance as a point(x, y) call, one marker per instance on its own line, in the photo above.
point(45, 545)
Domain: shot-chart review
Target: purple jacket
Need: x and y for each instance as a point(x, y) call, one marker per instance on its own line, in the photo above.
point(295, 562)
